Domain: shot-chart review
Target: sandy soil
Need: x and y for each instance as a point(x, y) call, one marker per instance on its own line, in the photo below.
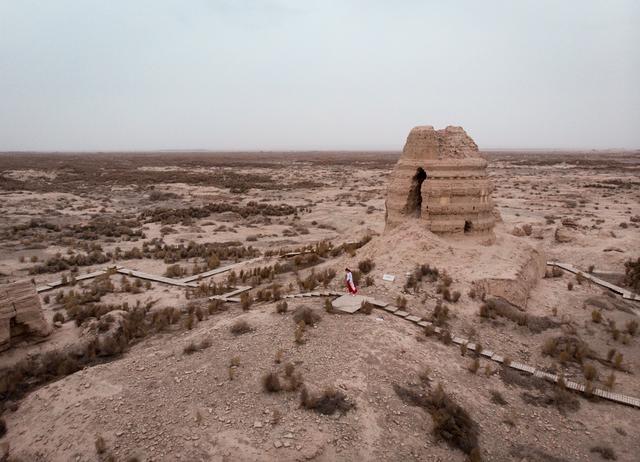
point(155, 402)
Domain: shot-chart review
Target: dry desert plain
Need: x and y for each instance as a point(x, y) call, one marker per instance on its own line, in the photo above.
point(142, 370)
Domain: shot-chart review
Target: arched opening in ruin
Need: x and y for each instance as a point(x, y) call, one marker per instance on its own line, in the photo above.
point(468, 226)
point(413, 207)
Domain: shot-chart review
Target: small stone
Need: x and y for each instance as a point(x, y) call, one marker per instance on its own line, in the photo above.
point(288, 435)
point(277, 444)
point(257, 424)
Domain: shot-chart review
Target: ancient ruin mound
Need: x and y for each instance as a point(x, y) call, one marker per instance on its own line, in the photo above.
point(20, 313)
point(441, 180)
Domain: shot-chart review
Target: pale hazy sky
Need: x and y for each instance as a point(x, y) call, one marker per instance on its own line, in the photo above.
point(317, 74)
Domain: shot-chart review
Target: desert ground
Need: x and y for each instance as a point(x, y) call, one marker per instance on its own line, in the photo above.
point(143, 370)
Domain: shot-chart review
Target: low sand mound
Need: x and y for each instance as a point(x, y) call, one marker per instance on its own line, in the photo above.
point(508, 269)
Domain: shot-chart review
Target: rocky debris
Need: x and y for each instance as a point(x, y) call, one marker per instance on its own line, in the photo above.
point(20, 313)
point(441, 180)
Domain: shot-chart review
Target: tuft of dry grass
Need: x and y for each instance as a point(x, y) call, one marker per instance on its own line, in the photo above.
point(192, 347)
point(474, 366)
point(606, 452)
point(497, 398)
point(306, 315)
point(271, 382)
point(298, 334)
point(100, 444)
point(282, 307)
point(450, 421)
point(366, 307)
point(240, 327)
point(328, 402)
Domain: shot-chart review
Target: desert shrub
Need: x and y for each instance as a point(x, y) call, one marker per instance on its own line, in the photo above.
point(474, 365)
point(246, 301)
point(493, 307)
point(440, 314)
point(327, 403)
point(590, 372)
point(328, 306)
point(401, 302)
point(306, 315)
point(450, 421)
point(445, 337)
point(100, 444)
point(271, 382)
point(366, 307)
point(174, 271)
point(161, 196)
point(596, 316)
point(617, 360)
point(566, 348)
point(497, 398)
point(298, 333)
point(58, 317)
point(282, 307)
point(570, 285)
point(365, 266)
point(610, 381)
point(192, 347)
point(240, 327)
point(556, 272)
point(632, 274)
point(606, 452)
point(632, 327)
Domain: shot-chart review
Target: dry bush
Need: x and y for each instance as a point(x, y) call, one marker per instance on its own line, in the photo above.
point(566, 348)
point(282, 307)
point(450, 421)
point(246, 301)
point(366, 266)
point(497, 306)
point(590, 372)
point(610, 381)
point(174, 271)
point(474, 365)
point(401, 302)
point(596, 316)
point(327, 403)
point(632, 327)
point(240, 327)
point(306, 315)
point(445, 337)
point(100, 444)
point(606, 452)
point(271, 382)
point(58, 317)
point(366, 307)
point(298, 333)
point(440, 314)
point(569, 285)
point(497, 398)
point(192, 347)
point(632, 274)
point(328, 306)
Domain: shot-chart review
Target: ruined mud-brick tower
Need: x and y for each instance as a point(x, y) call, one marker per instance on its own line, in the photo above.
point(441, 180)
point(20, 313)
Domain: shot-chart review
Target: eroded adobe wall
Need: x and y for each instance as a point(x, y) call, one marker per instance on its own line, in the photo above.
point(20, 312)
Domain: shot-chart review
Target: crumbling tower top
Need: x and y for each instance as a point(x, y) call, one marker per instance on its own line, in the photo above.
point(441, 180)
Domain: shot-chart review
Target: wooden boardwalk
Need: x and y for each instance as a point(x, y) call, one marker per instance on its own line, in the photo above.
point(626, 294)
point(185, 282)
